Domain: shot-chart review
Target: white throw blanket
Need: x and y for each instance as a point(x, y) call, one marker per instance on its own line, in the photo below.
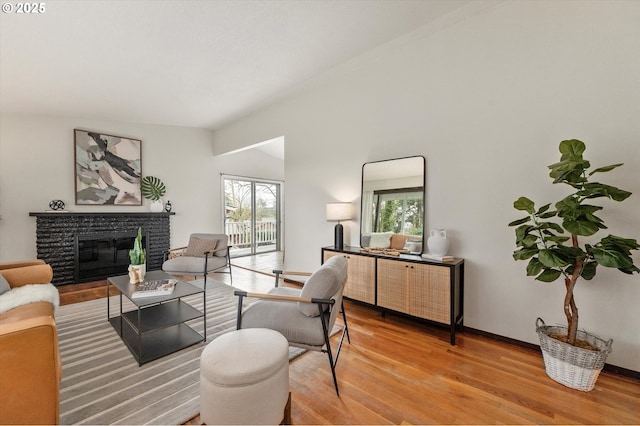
point(29, 293)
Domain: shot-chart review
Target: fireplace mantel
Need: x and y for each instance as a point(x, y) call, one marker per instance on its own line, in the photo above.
point(89, 214)
point(58, 233)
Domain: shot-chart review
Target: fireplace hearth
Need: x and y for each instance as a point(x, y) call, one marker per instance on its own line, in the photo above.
point(83, 247)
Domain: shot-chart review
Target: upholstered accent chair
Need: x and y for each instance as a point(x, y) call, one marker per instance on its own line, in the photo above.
point(30, 365)
point(206, 253)
point(305, 317)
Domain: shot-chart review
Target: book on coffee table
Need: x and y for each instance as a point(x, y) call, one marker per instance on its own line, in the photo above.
point(154, 288)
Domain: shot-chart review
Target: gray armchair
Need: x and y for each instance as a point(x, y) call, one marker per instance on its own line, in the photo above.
point(304, 317)
point(206, 253)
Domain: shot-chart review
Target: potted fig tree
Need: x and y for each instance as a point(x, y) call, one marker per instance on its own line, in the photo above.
point(549, 239)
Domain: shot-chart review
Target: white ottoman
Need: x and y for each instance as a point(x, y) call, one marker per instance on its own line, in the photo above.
point(244, 378)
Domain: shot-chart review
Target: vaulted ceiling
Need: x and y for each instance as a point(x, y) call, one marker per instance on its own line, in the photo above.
point(188, 63)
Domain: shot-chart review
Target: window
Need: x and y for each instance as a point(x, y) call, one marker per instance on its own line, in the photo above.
point(252, 215)
point(399, 210)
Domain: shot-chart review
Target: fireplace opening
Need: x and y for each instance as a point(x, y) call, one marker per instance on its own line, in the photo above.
point(99, 256)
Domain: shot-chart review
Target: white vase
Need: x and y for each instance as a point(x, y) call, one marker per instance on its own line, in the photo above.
point(438, 243)
point(156, 206)
point(137, 273)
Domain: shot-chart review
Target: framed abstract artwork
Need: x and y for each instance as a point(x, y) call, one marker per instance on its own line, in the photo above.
point(108, 169)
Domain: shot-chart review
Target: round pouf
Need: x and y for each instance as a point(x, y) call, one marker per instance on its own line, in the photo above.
point(244, 378)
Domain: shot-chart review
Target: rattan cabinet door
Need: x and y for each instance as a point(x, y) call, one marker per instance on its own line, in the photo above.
point(429, 293)
point(393, 285)
point(361, 283)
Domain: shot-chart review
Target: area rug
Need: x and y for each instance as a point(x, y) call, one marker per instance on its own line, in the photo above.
point(103, 384)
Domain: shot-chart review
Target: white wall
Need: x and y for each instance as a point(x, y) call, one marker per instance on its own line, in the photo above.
point(486, 100)
point(37, 166)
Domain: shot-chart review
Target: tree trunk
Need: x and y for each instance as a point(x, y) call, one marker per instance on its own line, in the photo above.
point(571, 312)
point(570, 308)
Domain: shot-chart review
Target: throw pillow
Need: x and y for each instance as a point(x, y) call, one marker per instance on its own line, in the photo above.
point(323, 284)
point(4, 284)
point(398, 241)
point(380, 239)
point(197, 247)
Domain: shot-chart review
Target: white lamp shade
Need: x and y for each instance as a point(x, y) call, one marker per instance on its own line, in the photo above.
point(338, 211)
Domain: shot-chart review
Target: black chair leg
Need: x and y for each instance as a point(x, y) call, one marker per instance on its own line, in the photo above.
point(206, 267)
point(333, 370)
point(323, 319)
point(346, 327)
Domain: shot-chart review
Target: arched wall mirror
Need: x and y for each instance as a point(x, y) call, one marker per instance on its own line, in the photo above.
point(392, 204)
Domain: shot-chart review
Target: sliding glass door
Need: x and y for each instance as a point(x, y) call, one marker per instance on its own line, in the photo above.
point(252, 215)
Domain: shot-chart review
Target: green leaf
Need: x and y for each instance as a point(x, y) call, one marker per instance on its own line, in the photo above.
point(624, 244)
point(525, 253)
point(566, 205)
point(543, 209)
point(558, 239)
point(520, 221)
point(569, 172)
point(595, 219)
point(152, 188)
point(549, 275)
point(570, 253)
point(534, 267)
point(551, 258)
point(548, 215)
point(572, 148)
point(552, 225)
point(612, 258)
point(523, 203)
point(589, 270)
point(596, 190)
point(529, 240)
point(605, 169)
point(633, 269)
point(580, 227)
point(521, 233)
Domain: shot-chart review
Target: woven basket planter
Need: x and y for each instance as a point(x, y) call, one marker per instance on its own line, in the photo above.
point(569, 365)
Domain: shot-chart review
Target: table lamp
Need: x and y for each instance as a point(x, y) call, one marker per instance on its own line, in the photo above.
point(338, 212)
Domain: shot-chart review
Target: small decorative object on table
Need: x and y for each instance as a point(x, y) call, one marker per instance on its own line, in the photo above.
point(414, 246)
point(384, 251)
point(429, 256)
point(438, 243)
point(138, 258)
point(168, 207)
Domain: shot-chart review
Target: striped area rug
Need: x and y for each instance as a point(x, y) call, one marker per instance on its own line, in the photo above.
point(103, 384)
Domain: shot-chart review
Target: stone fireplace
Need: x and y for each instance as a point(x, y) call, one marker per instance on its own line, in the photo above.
point(84, 247)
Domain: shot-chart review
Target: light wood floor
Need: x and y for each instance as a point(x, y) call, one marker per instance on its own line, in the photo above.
point(399, 371)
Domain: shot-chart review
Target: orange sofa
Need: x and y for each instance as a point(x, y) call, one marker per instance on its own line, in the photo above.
point(30, 367)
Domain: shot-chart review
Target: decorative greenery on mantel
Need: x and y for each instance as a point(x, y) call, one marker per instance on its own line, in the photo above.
point(553, 249)
point(152, 188)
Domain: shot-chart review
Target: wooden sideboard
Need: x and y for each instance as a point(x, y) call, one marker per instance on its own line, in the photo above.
point(407, 284)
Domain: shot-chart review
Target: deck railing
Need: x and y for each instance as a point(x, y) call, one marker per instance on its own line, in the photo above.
point(240, 234)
